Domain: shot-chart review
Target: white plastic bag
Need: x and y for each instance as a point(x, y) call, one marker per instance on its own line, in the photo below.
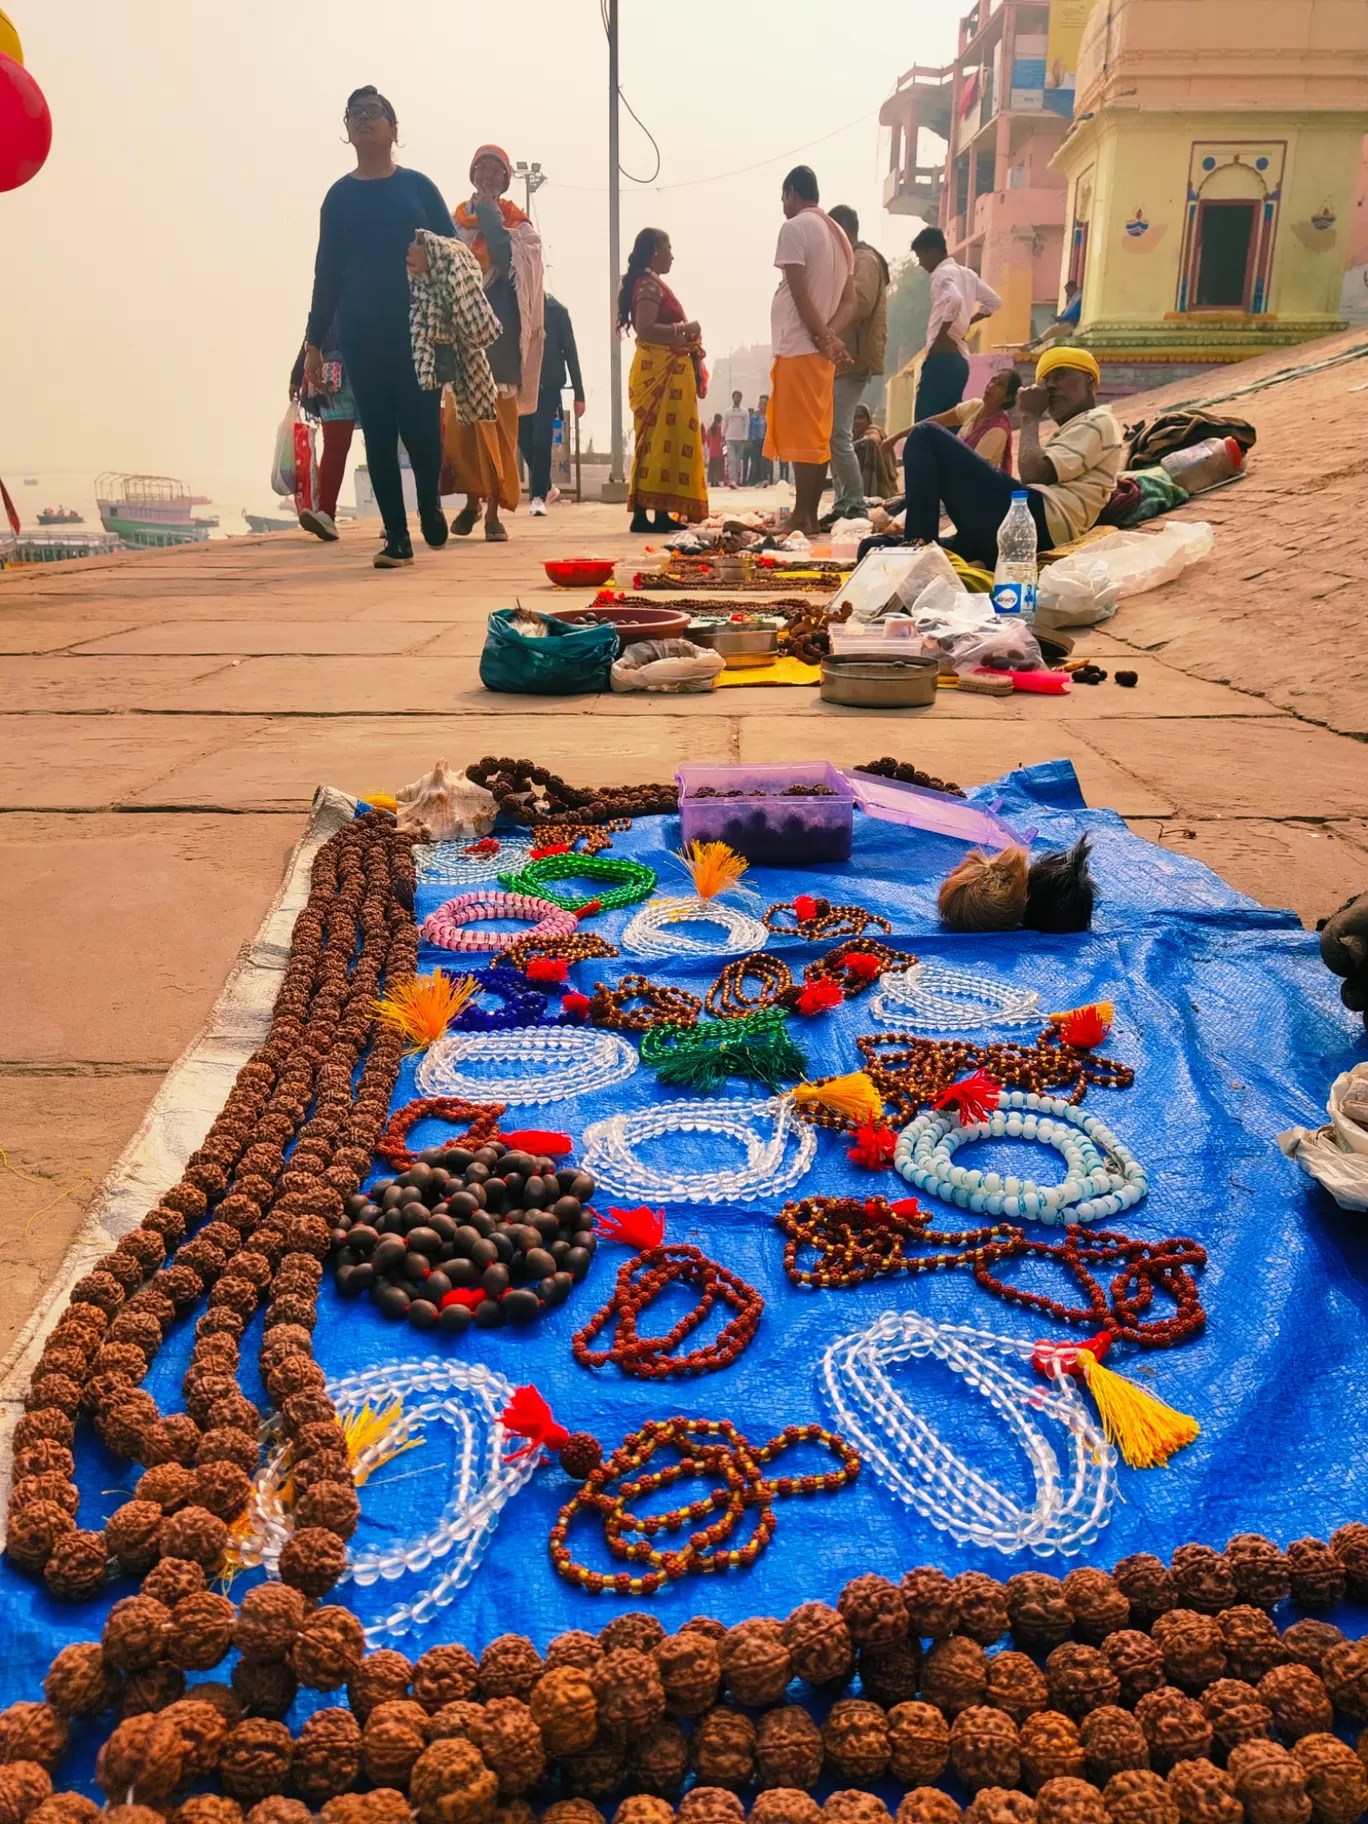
point(283, 466)
point(674, 667)
point(1078, 591)
point(891, 578)
point(1144, 560)
point(1336, 1156)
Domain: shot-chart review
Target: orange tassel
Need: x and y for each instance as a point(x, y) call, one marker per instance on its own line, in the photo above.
point(1145, 1430)
point(853, 1095)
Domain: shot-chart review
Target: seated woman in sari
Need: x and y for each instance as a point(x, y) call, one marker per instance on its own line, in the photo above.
point(984, 424)
point(668, 380)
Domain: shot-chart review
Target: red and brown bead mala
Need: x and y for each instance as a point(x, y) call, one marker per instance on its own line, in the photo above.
point(483, 1118)
point(841, 975)
point(710, 1449)
point(637, 1004)
point(641, 1280)
point(562, 838)
point(815, 919)
point(911, 1072)
point(858, 1240)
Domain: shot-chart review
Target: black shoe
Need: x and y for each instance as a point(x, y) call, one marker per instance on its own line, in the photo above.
point(396, 551)
point(664, 523)
point(433, 522)
point(464, 523)
point(641, 522)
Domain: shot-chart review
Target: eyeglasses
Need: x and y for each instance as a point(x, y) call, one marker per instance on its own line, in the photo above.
point(367, 110)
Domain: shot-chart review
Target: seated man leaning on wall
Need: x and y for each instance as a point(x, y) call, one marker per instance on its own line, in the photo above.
point(1068, 477)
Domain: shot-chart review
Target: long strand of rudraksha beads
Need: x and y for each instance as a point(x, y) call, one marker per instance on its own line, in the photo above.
point(910, 1072)
point(321, 1023)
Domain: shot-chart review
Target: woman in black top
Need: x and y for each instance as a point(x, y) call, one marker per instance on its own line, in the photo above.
point(368, 222)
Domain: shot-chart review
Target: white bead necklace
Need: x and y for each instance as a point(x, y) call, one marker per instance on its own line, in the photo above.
point(779, 1150)
point(447, 864)
point(563, 1061)
point(654, 930)
point(1102, 1177)
point(944, 999)
point(467, 1396)
point(1072, 1504)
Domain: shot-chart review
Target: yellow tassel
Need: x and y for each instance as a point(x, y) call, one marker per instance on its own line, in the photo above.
point(853, 1095)
point(382, 801)
point(714, 868)
point(423, 1006)
point(369, 1427)
point(1143, 1429)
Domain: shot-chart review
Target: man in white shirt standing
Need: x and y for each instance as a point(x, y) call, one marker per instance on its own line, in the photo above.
point(736, 431)
point(815, 300)
point(959, 299)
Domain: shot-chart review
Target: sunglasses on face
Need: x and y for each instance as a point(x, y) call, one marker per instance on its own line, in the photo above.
point(367, 110)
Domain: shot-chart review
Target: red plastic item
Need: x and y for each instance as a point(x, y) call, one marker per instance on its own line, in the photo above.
point(25, 125)
point(579, 572)
point(1047, 683)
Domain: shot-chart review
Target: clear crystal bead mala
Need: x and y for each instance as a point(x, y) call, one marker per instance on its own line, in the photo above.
point(451, 864)
point(1072, 1501)
point(468, 1397)
point(560, 1061)
point(779, 1150)
point(654, 931)
point(945, 999)
point(1102, 1177)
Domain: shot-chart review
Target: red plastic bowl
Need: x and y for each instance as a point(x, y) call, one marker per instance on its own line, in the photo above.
point(580, 572)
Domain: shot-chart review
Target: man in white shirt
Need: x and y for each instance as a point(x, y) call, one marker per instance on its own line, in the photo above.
point(815, 300)
point(959, 299)
point(736, 430)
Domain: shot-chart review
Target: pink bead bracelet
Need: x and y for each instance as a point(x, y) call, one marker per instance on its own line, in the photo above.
point(447, 925)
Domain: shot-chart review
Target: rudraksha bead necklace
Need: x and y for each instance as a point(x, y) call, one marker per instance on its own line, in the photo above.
point(644, 1278)
point(528, 794)
point(910, 1072)
point(730, 996)
point(483, 1117)
point(814, 919)
point(856, 1241)
point(637, 1004)
point(568, 836)
point(711, 1449)
point(576, 947)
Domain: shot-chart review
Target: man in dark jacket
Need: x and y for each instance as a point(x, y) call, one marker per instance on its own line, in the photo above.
point(537, 429)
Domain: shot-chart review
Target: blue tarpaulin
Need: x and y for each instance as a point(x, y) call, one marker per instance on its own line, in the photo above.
point(1234, 1030)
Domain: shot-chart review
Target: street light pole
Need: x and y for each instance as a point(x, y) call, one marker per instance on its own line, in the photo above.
point(617, 476)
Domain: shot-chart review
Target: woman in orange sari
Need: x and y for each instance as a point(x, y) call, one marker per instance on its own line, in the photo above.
point(481, 459)
point(668, 380)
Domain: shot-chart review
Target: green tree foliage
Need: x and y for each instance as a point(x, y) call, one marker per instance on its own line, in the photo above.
point(909, 308)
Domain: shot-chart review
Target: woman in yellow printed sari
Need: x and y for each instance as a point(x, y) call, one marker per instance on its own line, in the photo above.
point(668, 380)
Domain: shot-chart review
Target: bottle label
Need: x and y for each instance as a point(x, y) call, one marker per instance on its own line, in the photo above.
point(1014, 598)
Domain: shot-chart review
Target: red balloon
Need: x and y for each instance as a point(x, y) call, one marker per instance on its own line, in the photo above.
point(25, 125)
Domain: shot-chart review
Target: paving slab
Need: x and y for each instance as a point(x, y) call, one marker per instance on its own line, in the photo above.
point(248, 638)
point(1311, 867)
point(963, 753)
point(61, 1135)
point(278, 764)
point(109, 956)
point(30, 632)
point(1243, 769)
point(65, 683)
point(93, 762)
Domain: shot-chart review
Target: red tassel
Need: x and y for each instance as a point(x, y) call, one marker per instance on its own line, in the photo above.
point(861, 964)
point(588, 909)
point(641, 1228)
point(487, 845)
point(1047, 1355)
point(539, 1140)
point(1084, 1027)
point(874, 1146)
point(975, 1097)
point(548, 848)
point(819, 996)
point(547, 969)
point(527, 1415)
point(575, 1004)
point(805, 908)
point(469, 1296)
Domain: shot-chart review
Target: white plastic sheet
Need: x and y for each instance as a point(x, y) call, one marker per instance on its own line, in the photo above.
point(1337, 1156)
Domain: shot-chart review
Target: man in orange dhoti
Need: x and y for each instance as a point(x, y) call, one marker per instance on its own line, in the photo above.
point(815, 299)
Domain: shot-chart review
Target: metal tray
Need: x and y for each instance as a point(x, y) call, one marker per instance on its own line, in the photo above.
point(739, 646)
point(867, 683)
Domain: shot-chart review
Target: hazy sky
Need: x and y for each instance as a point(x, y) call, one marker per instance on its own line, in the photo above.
point(156, 273)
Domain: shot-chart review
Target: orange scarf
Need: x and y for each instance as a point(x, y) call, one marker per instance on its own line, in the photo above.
point(469, 224)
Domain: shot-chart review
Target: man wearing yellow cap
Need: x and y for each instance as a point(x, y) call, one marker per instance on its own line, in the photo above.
point(1068, 477)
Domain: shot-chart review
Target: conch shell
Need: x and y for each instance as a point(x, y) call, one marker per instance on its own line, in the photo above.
point(445, 806)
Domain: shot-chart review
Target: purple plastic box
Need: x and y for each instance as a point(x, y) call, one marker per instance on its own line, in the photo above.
point(762, 824)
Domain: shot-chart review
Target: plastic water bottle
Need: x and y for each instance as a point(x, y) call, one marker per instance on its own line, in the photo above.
point(1014, 580)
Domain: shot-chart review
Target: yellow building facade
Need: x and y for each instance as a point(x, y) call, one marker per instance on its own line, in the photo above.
point(1213, 165)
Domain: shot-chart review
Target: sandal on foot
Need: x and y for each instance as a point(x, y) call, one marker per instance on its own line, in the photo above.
point(464, 523)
